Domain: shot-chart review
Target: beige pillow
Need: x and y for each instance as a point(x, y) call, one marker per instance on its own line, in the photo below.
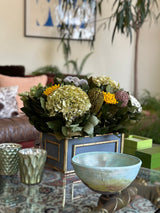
point(8, 103)
point(23, 83)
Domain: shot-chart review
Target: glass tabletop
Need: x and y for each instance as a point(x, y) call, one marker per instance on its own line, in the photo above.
point(60, 193)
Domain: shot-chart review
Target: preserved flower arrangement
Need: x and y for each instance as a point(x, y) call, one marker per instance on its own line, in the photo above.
point(79, 107)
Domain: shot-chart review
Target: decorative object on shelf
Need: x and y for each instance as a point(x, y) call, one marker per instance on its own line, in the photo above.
point(9, 160)
point(111, 174)
point(31, 163)
point(60, 152)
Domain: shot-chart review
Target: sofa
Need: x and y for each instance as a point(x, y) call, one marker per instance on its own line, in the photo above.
point(14, 125)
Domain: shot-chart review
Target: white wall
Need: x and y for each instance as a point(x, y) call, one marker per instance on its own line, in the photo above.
point(115, 60)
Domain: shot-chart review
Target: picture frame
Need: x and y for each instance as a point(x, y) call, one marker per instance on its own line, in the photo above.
point(44, 18)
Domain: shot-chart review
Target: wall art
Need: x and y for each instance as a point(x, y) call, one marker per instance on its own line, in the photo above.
point(44, 18)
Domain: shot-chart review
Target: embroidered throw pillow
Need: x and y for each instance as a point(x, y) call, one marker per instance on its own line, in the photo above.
point(8, 103)
point(24, 84)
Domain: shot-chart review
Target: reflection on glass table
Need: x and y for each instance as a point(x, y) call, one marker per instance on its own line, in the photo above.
point(59, 193)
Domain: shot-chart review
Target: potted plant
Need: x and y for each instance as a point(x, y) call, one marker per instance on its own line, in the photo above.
point(73, 109)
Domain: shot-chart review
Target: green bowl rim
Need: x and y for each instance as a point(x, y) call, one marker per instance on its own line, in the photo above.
point(107, 168)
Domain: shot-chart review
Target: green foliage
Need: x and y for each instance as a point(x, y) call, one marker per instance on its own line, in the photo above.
point(115, 119)
point(67, 109)
point(55, 71)
point(149, 125)
point(49, 69)
point(78, 69)
point(129, 15)
point(150, 102)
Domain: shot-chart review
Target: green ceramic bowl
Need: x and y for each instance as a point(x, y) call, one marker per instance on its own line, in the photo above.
point(106, 172)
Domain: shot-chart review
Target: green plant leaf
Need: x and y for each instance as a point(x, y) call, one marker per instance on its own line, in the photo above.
point(83, 62)
point(75, 128)
point(93, 120)
point(89, 128)
point(55, 125)
point(47, 69)
point(74, 63)
point(43, 103)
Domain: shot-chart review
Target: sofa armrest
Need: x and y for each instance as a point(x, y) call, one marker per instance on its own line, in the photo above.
point(17, 129)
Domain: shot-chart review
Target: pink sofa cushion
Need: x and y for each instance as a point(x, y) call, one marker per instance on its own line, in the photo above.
point(23, 83)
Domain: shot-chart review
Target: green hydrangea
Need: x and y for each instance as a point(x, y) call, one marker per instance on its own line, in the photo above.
point(104, 80)
point(69, 100)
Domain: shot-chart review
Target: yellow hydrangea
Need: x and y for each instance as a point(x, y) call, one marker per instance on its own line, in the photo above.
point(49, 90)
point(110, 98)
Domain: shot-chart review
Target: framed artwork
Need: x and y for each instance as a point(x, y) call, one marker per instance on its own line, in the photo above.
point(44, 18)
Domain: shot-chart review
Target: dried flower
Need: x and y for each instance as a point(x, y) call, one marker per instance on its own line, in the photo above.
point(51, 89)
point(91, 107)
point(109, 98)
point(135, 103)
point(69, 100)
point(104, 80)
point(75, 80)
point(122, 96)
point(96, 98)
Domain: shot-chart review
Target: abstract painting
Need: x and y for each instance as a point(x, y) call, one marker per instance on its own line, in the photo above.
point(44, 18)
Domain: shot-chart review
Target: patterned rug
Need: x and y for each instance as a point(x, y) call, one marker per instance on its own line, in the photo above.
point(56, 193)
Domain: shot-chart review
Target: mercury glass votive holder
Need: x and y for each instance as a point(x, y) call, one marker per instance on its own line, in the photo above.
point(31, 162)
point(9, 158)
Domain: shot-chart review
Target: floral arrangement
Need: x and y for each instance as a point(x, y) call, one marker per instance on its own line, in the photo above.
point(78, 107)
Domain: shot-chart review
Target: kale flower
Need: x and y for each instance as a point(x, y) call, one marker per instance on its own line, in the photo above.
point(123, 97)
point(69, 100)
point(104, 80)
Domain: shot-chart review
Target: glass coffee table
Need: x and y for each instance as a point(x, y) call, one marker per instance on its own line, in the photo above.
point(59, 193)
